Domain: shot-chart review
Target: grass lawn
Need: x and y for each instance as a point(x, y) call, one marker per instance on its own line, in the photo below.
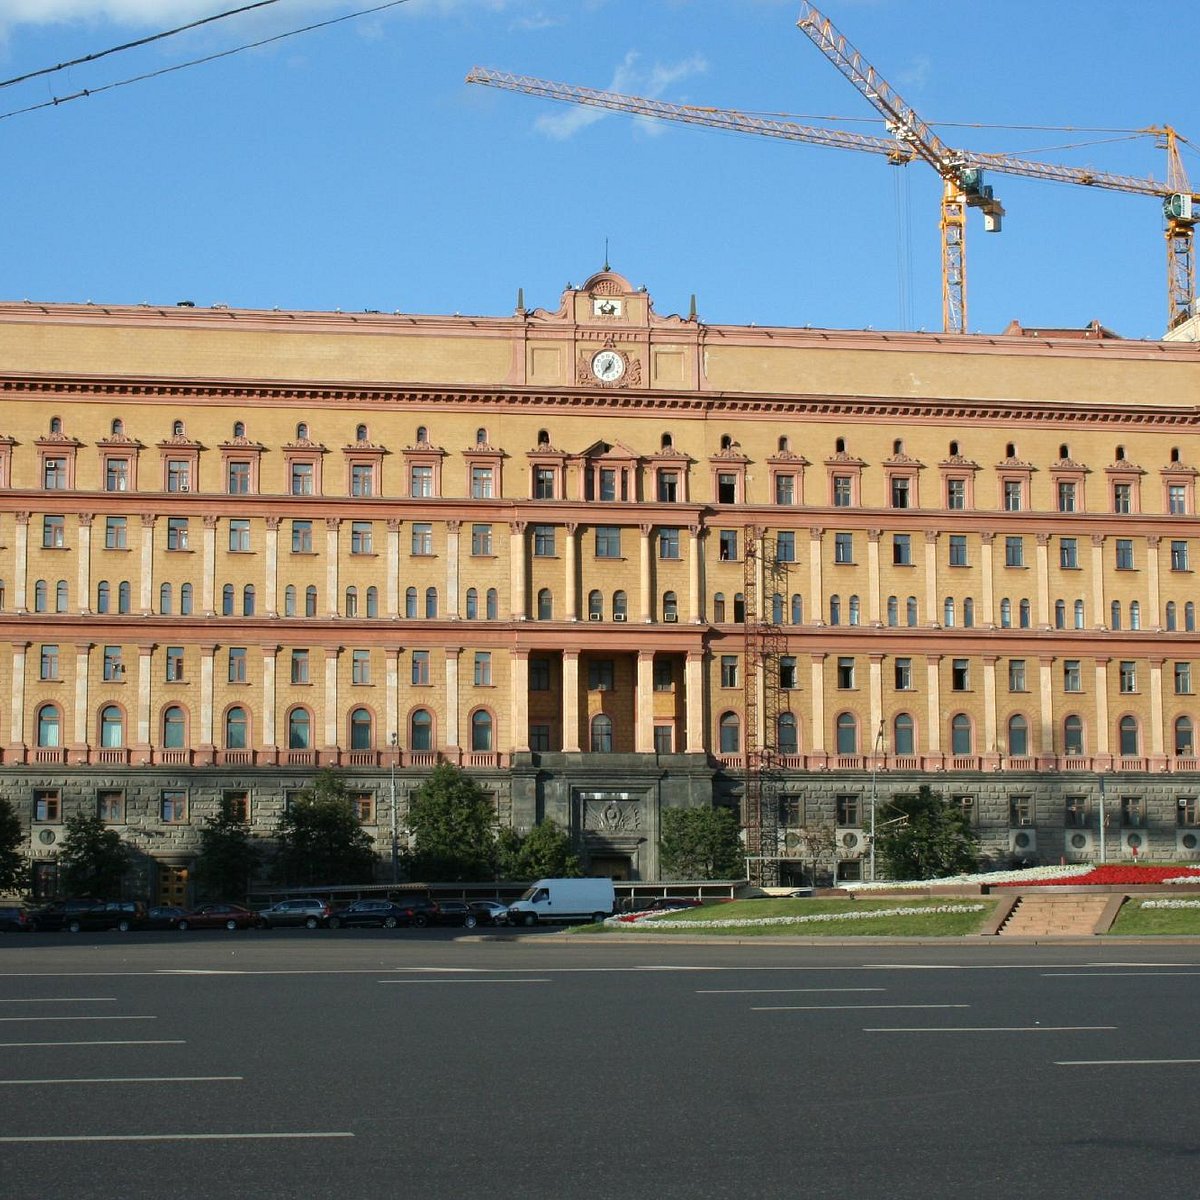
point(953, 924)
point(1134, 919)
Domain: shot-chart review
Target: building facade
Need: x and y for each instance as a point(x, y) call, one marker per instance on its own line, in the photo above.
point(238, 546)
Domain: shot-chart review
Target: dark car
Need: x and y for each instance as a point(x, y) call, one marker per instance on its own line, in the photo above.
point(310, 913)
point(385, 913)
point(454, 912)
point(416, 910)
point(218, 916)
point(490, 912)
point(672, 903)
point(164, 916)
point(15, 918)
point(122, 915)
point(60, 913)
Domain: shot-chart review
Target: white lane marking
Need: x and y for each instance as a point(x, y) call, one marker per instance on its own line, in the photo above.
point(170, 1137)
point(171, 1042)
point(130, 1079)
point(1127, 1062)
point(61, 1000)
point(764, 991)
point(840, 1007)
point(427, 981)
point(991, 1029)
point(1112, 974)
point(6, 1019)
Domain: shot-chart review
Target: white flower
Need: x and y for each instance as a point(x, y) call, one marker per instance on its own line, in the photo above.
point(853, 915)
point(1170, 903)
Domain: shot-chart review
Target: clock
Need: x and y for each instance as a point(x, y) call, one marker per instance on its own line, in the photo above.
point(608, 366)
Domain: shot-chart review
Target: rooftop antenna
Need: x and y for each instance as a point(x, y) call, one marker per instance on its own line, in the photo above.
point(606, 266)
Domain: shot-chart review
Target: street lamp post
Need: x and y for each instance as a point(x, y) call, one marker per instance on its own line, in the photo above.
point(875, 752)
point(395, 842)
point(1103, 846)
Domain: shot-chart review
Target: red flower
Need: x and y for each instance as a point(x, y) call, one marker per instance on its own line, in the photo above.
point(1115, 874)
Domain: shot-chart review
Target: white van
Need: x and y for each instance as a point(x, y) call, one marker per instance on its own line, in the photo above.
point(564, 900)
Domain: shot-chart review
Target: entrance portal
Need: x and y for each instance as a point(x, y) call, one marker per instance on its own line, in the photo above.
point(615, 866)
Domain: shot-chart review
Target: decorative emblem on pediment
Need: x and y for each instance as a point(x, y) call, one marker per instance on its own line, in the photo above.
point(1015, 464)
point(1069, 464)
point(960, 460)
point(242, 442)
point(789, 456)
point(1123, 464)
point(179, 441)
point(844, 458)
point(903, 460)
point(612, 816)
point(305, 444)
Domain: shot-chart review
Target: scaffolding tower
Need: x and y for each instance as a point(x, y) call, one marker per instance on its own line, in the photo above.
point(765, 592)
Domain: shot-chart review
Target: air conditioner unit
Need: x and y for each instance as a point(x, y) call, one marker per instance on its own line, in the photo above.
point(595, 616)
point(45, 837)
point(670, 618)
point(851, 842)
point(1022, 841)
point(1187, 841)
point(619, 616)
point(183, 487)
point(1080, 844)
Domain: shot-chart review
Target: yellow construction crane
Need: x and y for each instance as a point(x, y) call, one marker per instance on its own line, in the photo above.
point(1182, 206)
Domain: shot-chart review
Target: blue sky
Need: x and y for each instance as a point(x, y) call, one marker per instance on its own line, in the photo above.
point(353, 168)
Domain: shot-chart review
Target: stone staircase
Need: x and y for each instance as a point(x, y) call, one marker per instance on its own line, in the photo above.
point(1049, 914)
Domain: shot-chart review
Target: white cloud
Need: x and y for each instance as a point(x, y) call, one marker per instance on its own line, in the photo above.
point(630, 79)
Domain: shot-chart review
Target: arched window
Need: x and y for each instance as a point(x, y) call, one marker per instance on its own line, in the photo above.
point(1060, 614)
point(185, 599)
point(227, 600)
point(1024, 614)
point(1006, 613)
point(1114, 619)
point(1189, 617)
point(48, 726)
point(299, 736)
point(666, 441)
point(718, 607)
point(360, 729)
point(481, 438)
point(968, 613)
point(112, 726)
point(302, 432)
point(493, 604)
point(1135, 614)
point(739, 607)
point(543, 437)
point(1078, 614)
point(235, 728)
point(289, 600)
point(60, 596)
point(854, 610)
point(620, 606)
point(352, 602)
point(41, 595)
point(124, 597)
point(893, 611)
point(953, 449)
point(310, 600)
point(410, 602)
point(948, 613)
point(372, 602)
point(835, 609)
point(601, 734)
point(421, 730)
point(670, 607)
point(903, 741)
point(960, 734)
point(248, 600)
point(595, 605)
point(103, 596)
point(839, 446)
point(56, 425)
point(787, 735)
point(239, 429)
point(730, 734)
point(174, 728)
point(472, 604)
point(847, 733)
point(360, 433)
point(1073, 736)
point(545, 605)
point(1127, 736)
point(481, 730)
point(1171, 617)
point(726, 442)
point(1185, 743)
point(783, 445)
point(776, 609)
point(422, 435)
point(911, 612)
point(797, 609)
point(1018, 736)
point(431, 603)
point(164, 599)
point(177, 429)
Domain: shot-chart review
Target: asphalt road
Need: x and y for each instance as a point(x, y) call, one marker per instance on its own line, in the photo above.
point(424, 1064)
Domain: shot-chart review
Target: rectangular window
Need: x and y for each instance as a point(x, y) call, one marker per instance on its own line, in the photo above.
point(1076, 812)
point(1133, 812)
point(903, 674)
point(1177, 499)
point(848, 810)
point(299, 666)
point(787, 672)
point(54, 474)
point(179, 475)
point(1014, 551)
point(302, 479)
point(46, 805)
point(600, 675)
point(302, 537)
point(173, 807)
point(115, 533)
point(902, 549)
point(54, 533)
point(422, 538)
point(116, 475)
point(177, 533)
point(539, 674)
point(608, 541)
point(1183, 679)
point(608, 483)
point(1124, 554)
point(362, 479)
point(726, 488)
point(956, 493)
point(668, 543)
point(958, 549)
point(1068, 553)
point(110, 807)
point(174, 664)
point(791, 812)
point(481, 483)
point(363, 804)
point(1012, 495)
point(960, 675)
point(965, 805)
point(362, 537)
point(1122, 498)
point(1020, 811)
point(543, 483)
point(664, 675)
point(1072, 675)
point(543, 541)
point(843, 491)
point(785, 489)
point(114, 668)
point(664, 739)
point(238, 805)
point(420, 666)
point(668, 486)
point(1188, 808)
point(420, 482)
point(360, 667)
point(901, 493)
point(49, 663)
point(1016, 675)
point(539, 737)
point(481, 540)
point(785, 546)
point(1179, 556)
point(1128, 676)
point(843, 548)
point(237, 664)
point(239, 536)
point(483, 668)
point(237, 478)
point(1066, 497)
point(845, 673)
point(729, 670)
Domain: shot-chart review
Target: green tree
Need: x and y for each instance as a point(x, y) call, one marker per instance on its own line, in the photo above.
point(320, 838)
point(700, 843)
point(228, 856)
point(930, 838)
point(543, 853)
point(453, 826)
point(93, 860)
point(14, 867)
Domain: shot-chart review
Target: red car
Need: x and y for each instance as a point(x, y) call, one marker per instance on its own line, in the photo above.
point(218, 916)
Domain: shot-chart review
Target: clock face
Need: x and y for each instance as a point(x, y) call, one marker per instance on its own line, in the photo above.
point(608, 366)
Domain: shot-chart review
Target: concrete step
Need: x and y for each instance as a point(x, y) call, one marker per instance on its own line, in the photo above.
point(1048, 915)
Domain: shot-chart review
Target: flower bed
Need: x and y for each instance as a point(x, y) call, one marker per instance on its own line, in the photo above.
point(1114, 874)
point(1170, 904)
point(805, 919)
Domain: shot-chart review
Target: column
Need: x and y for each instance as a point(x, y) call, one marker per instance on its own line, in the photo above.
point(16, 741)
point(1102, 707)
point(333, 600)
point(142, 746)
point(393, 568)
point(329, 752)
point(392, 701)
point(1043, 581)
point(694, 685)
point(933, 685)
point(643, 738)
point(1153, 618)
point(20, 562)
point(932, 600)
point(453, 554)
point(570, 702)
point(1157, 750)
point(83, 586)
point(519, 701)
point(1101, 617)
point(208, 569)
point(874, 612)
point(1046, 735)
point(817, 688)
point(267, 733)
point(816, 603)
point(80, 740)
point(876, 698)
point(695, 613)
point(271, 567)
point(645, 576)
point(517, 585)
point(987, 617)
point(207, 745)
point(571, 565)
point(990, 745)
point(146, 589)
point(451, 739)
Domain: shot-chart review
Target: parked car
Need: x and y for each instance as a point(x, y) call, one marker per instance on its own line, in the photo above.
point(416, 910)
point(455, 912)
point(218, 916)
point(310, 913)
point(672, 903)
point(490, 912)
point(16, 918)
point(58, 914)
point(384, 913)
point(164, 916)
point(123, 915)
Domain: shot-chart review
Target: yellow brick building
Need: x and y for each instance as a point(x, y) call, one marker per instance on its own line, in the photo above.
point(600, 557)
